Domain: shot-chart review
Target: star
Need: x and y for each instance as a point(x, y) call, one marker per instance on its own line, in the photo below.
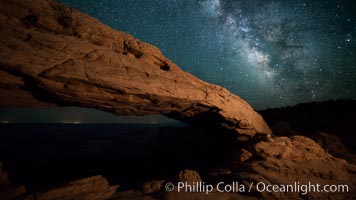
point(263, 50)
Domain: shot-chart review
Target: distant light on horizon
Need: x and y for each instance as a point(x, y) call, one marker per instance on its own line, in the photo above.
point(76, 115)
point(70, 122)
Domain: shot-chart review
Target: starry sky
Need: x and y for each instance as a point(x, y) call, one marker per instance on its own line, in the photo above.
point(272, 53)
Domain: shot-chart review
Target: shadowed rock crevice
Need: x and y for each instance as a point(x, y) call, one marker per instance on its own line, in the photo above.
point(68, 58)
point(165, 67)
point(30, 20)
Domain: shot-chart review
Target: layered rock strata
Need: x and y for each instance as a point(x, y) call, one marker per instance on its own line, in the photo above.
point(51, 54)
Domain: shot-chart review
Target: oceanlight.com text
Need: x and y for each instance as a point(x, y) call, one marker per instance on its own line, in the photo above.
point(297, 187)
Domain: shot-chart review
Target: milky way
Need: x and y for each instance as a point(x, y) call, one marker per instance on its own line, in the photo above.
point(271, 53)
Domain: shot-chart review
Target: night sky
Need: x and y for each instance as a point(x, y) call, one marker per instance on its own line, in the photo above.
point(270, 53)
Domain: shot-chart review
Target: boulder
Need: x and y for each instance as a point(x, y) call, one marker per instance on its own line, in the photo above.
point(295, 160)
point(282, 128)
point(189, 176)
point(152, 186)
point(332, 145)
point(93, 188)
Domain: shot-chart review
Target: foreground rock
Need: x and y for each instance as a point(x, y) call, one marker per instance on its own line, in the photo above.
point(332, 145)
point(9, 191)
point(285, 161)
point(333, 117)
point(51, 54)
point(278, 161)
point(189, 176)
point(93, 188)
point(170, 190)
point(3, 176)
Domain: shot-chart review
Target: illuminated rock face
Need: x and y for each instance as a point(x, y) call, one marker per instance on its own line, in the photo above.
point(286, 161)
point(53, 55)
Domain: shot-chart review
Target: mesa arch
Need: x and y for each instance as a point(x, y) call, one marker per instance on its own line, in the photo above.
point(53, 55)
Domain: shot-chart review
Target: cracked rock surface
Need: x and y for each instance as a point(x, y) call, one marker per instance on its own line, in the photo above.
point(53, 55)
point(284, 161)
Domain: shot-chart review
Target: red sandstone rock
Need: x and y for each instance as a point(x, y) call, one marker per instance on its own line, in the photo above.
point(93, 188)
point(52, 54)
point(289, 160)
